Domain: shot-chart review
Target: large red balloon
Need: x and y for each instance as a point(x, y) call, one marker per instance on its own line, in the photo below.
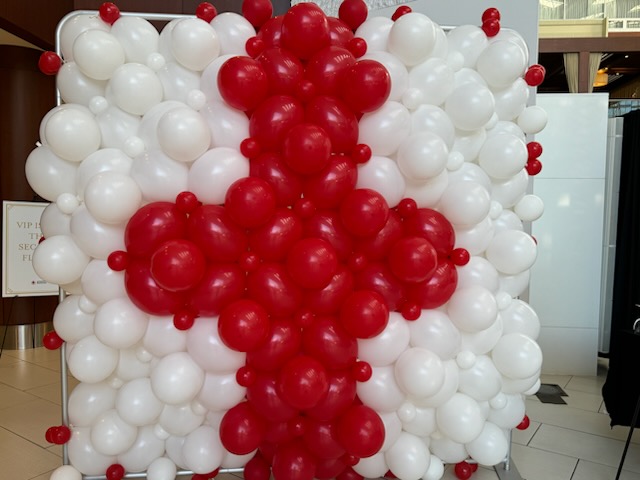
point(326, 67)
point(378, 246)
point(274, 240)
point(305, 30)
point(365, 86)
point(337, 119)
point(312, 262)
point(306, 148)
point(242, 429)
point(286, 184)
point(433, 226)
point(216, 234)
point(302, 382)
point(327, 469)
point(272, 287)
point(284, 70)
point(378, 278)
point(361, 431)
point(273, 118)
point(257, 11)
point(349, 474)
point(243, 83)
point(413, 259)
point(264, 397)
point(340, 395)
point(271, 31)
point(328, 226)
point(353, 13)
point(282, 343)
point(339, 32)
point(321, 438)
point(330, 186)
point(177, 265)
point(152, 225)
point(364, 314)
point(293, 462)
point(145, 293)
point(436, 290)
point(330, 344)
point(364, 212)
point(257, 469)
point(221, 284)
point(329, 299)
point(250, 202)
point(243, 325)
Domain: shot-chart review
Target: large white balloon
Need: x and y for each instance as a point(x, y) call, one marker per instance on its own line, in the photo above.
point(59, 260)
point(212, 174)
point(96, 239)
point(419, 372)
point(386, 347)
point(397, 71)
point(375, 31)
point(73, 27)
point(111, 435)
point(84, 457)
point(207, 349)
point(146, 448)
point(385, 129)
point(512, 252)
point(176, 379)
point(135, 88)
point(519, 317)
point(72, 134)
point(137, 404)
point(177, 81)
point(228, 126)
point(183, 134)
point(382, 175)
point(104, 160)
point(98, 54)
point(70, 322)
point(465, 204)
point(203, 450)
point(472, 308)
point(76, 87)
point(501, 63)
point(112, 197)
point(409, 457)
point(412, 38)
point(503, 156)
point(91, 360)
point(194, 43)
point(138, 38)
point(159, 177)
point(490, 447)
point(434, 331)
point(470, 41)
point(233, 31)
point(381, 392)
point(482, 381)
point(460, 418)
point(162, 468)
point(162, 338)
point(517, 356)
point(119, 324)
point(433, 119)
point(87, 401)
point(423, 155)
point(470, 106)
point(434, 79)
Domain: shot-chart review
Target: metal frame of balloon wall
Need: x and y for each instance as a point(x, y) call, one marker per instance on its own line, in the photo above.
point(400, 267)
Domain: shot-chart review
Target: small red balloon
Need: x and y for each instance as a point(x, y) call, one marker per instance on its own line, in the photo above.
point(411, 311)
point(187, 202)
point(49, 63)
point(206, 11)
point(52, 341)
point(250, 148)
point(463, 470)
point(184, 320)
point(524, 424)
point(533, 166)
point(534, 149)
point(534, 76)
point(109, 12)
point(491, 27)
point(362, 371)
point(115, 472)
point(400, 11)
point(246, 376)
point(491, 14)
point(460, 256)
point(357, 46)
point(361, 153)
point(117, 261)
point(255, 46)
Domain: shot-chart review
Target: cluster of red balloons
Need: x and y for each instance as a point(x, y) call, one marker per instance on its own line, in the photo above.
point(534, 165)
point(298, 264)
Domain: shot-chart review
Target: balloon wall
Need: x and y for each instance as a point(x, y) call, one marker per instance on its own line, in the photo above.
point(292, 245)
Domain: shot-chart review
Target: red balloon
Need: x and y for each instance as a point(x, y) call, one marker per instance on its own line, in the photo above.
point(339, 32)
point(328, 226)
point(217, 236)
point(364, 212)
point(463, 470)
point(413, 259)
point(281, 432)
point(534, 149)
point(353, 13)
point(274, 240)
point(271, 31)
point(312, 262)
point(306, 149)
point(330, 344)
point(293, 462)
point(337, 119)
point(257, 11)
point(329, 468)
point(257, 469)
point(436, 290)
point(321, 438)
point(433, 226)
point(151, 226)
point(242, 429)
point(177, 265)
point(349, 474)
point(326, 68)
point(272, 287)
point(266, 401)
point(378, 246)
point(250, 202)
point(52, 341)
point(243, 325)
point(145, 293)
point(305, 30)
point(284, 70)
point(340, 396)
point(329, 299)
point(365, 86)
point(286, 184)
point(273, 118)
point(282, 343)
point(115, 472)
point(302, 382)
point(221, 284)
point(205, 11)
point(378, 278)
point(364, 314)
point(243, 83)
point(49, 63)
point(360, 431)
point(330, 186)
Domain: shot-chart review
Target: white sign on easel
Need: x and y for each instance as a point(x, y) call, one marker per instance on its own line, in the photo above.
point(21, 234)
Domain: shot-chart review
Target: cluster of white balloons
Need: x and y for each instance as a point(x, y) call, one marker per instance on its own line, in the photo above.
point(143, 120)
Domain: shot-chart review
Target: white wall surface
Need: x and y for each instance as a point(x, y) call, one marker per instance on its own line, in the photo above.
point(567, 277)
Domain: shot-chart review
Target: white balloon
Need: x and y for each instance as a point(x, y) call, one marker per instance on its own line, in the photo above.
point(503, 156)
point(96, 239)
point(183, 134)
point(116, 126)
point(529, 208)
point(449, 387)
point(375, 31)
point(76, 87)
point(382, 175)
point(98, 54)
point(70, 322)
point(433, 119)
point(397, 71)
point(479, 271)
point(162, 338)
point(84, 457)
point(104, 160)
point(434, 79)
point(145, 449)
point(385, 348)
point(469, 40)
point(501, 63)
point(233, 31)
point(110, 435)
point(136, 403)
point(131, 365)
point(162, 468)
point(392, 429)
point(447, 450)
point(504, 126)
point(207, 349)
point(202, 450)
point(482, 381)
point(65, 472)
point(73, 134)
point(179, 420)
point(465, 204)
point(512, 252)
point(381, 392)
point(54, 222)
point(194, 43)
point(471, 172)
point(177, 81)
point(509, 192)
point(87, 401)
point(374, 466)
point(385, 129)
point(434, 331)
point(209, 79)
point(148, 130)
point(135, 88)
point(472, 308)
point(427, 194)
point(519, 317)
point(59, 260)
point(220, 392)
point(138, 37)
point(460, 418)
point(482, 342)
point(435, 470)
point(423, 424)
point(228, 126)
point(533, 120)
point(470, 106)
point(112, 197)
point(511, 35)
point(412, 38)
point(419, 372)
point(409, 457)
point(511, 413)
point(92, 361)
point(231, 460)
point(525, 386)
point(476, 239)
point(212, 174)
point(120, 324)
point(73, 27)
point(517, 356)
point(515, 285)
point(176, 378)
point(490, 447)
point(469, 143)
point(511, 100)
point(469, 75)
point(422, 156)
point(159, 177)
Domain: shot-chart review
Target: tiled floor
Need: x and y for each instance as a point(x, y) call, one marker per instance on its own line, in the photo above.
point(564, 442)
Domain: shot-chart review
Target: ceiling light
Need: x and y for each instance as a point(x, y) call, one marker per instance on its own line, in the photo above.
point(602, 79)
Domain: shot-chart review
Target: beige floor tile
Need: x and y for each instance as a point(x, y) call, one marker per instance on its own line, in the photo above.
point(583, 400)
point(31, 420)
point(8, 359)
point(10, 397)
point(605, 451)
point(593, 471)
point(26, 375)
point(22, 460)
point(523, 437)
point(44, 476)
point(36, 355)
point(560, 380)
point(586, 384)
point(534, 464)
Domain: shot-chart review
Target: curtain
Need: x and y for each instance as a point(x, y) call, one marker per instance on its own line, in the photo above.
point(621, 389)
point(572, 70)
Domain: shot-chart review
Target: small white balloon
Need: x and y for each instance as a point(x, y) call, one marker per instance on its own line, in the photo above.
point(529, 208)
point(65, 472)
